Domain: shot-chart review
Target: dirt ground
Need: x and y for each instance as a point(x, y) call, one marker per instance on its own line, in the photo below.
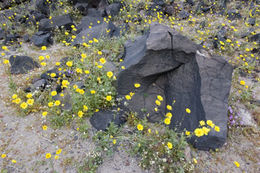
point(22, 139)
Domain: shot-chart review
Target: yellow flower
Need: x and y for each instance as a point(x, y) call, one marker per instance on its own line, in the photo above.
point(3, 156)
point(4, 48)
point(79, 70)
point(137, 85)
point(108, 98)
point(167, 121)
point(81, 91)
point(155, 109)
point(242, 82)
point(44, 114)
point(14, 96)
point(48, 155)
point(217, 129)
point(83, 55)
point(69, 63)
point(205, 130)
point(86, 71)
point(85, 108)
point(169, 107)
point(53, 75)
point(237, 164)
point(57, 63)
point(149, 131)
point(6, 61)
point(187, 133)
point(65, 83)
point(199, 132)
point(160, 98)
point(43, 64)
point(109, 74)
point(44, 127)
point(188, 110)
point(114, 141)
point(58, 151)
point(50, 104)
point(53, 93)
point(41, 58)
point(29, 95)
point(128, 97)
point(195, 161)
point(229, 41)
point(99, 52)
point(17, 101)
point(202, 123)
point(157, 102)
point(168, 115)
point(56, 157)
point(92, 91)
point(210, 123)
point(169, 144)
point(24, 105)
point(102, 60)
point(80, 114)
point(57, 103)
point(140, 127)
point(13, 161)
point(30, 101)
point(44, 47)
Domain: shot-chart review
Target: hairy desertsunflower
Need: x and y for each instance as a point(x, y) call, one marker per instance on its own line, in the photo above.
point(69, 63)
point(48, 155)
point(167, 121)
point(169, 144)
point(169, 107)
point(110, 74)
point(109, 98)
point(80, 114)
point(137, 85)
point(140, 127)
point(24, 105)
point(188, 110)
point(199, 132)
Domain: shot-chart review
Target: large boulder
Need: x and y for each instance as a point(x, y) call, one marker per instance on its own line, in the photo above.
point(43, 7)
point(168, 64)
point(22, 64)
point(102, 119)
point(89, 21)
point(58, 21)
point(42, 39)
point(102, 30)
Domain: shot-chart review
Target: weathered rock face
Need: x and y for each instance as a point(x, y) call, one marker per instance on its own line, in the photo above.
point(22, 64)
point(95, 32)
point(42, 39)
point(168, 64)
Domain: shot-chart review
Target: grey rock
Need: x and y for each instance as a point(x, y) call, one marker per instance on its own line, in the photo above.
point(82, 7)
point(58, 21)
point(183, 14)
point(43, 7)
point(38, 85)
point(89, 21)
point(95, 32)
point(22, 64)
point(233, 14)
point(42, 39)
point(113, 9)
point(168, 64)
point(2, 34)
point(102, 119)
